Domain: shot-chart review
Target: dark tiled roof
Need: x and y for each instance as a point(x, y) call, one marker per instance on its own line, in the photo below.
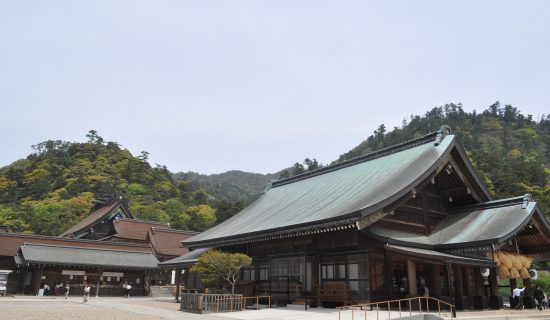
point(341, 193)
point(135, 229)
point(79, 256)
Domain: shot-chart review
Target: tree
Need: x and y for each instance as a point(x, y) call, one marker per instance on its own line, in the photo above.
point(312, 164)
point(297, 169)
point(93, 137)
point(216, 267)
point(201, 217)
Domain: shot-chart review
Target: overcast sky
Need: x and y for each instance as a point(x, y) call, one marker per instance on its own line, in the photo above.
point(211, 86)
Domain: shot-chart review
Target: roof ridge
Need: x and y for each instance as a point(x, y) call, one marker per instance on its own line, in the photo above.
point(175, 230)
point(493, 203)
point(142, 221)
point(38, 236)
point(430, 137)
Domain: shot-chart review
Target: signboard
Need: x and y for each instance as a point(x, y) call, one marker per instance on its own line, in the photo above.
point(73, 272)
point(113, 274)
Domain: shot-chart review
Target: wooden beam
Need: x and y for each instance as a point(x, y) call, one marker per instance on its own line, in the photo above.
point(464, 180)
point(531, 250)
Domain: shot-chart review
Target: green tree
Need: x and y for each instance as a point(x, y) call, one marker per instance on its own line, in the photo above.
point(201, 217)
point(297, 169)
point(216, 267)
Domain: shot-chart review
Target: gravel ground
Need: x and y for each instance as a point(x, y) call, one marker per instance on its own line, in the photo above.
point(42, 308)
point(61, 310)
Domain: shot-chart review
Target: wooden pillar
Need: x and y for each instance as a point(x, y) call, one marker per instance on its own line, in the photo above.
point(493, 282)
point(98, 283)
point(459, 281)
point(479, 283)
point(451, 287)
point(21, 281)
point(387, 274)
point(513, 284)
point(36, 279)
point(147, 283)
point(467, 284)
point(178, 281)
point(185, 278)
point(315, 279)
point(411, 275)
point(436, 280)
point(527, 285)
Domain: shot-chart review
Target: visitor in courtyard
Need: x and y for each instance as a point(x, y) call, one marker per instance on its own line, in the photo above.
point(67, 288)
point(539, 296)
point(128, 287)
point(58, 288)
point(516, 295)
point(86, 292)
point(545, 301)
point(46, 289)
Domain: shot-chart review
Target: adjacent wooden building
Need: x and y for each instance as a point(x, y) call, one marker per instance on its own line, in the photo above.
point(107, 248)
point(394, 223)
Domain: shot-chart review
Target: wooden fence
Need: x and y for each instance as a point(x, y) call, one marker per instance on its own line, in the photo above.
point(203, 302)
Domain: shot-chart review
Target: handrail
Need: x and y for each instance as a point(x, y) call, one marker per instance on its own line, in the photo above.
point(364, 306)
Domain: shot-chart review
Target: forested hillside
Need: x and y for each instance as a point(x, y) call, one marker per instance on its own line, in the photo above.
point(511, 151)
point(55, 186)
point(233, 186)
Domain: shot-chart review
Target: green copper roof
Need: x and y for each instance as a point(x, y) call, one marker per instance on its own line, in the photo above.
point(344, 192)
point(491, 222)
point(186, 260)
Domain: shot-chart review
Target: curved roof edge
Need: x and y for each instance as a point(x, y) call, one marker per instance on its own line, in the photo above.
point(535, 211)
point(437, 165)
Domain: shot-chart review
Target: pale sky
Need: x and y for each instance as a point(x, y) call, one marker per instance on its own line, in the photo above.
point(211, 86)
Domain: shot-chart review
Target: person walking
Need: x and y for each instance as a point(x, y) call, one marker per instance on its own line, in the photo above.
point(86, 292)
point(539, 296)
point(67, 288)
point(516, 295)
point(128, 287)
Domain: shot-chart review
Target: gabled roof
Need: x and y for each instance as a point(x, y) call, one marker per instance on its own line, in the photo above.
point(79, 256)
point(135, 229)
point(96, 216)
point(167, 241)
point(486, 223)
point(342, 193)
point(186, 260)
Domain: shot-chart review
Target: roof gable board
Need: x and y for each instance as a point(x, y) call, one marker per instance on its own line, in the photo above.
point(96, 217)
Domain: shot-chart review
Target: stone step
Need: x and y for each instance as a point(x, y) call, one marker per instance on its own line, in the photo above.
point(295, 306)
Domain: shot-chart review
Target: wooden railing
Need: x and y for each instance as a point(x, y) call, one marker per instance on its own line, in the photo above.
point(423, 304)
point(203, 302)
